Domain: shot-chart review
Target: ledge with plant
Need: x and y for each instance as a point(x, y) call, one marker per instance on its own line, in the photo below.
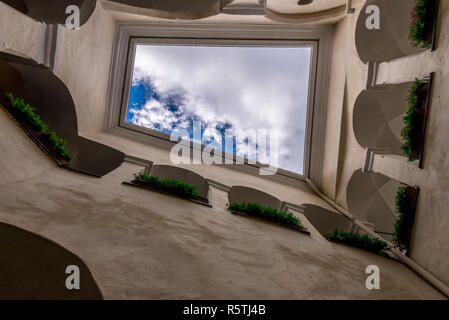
point(405, 203)
point(260, 211)
point(423, 19)
point(168, 186)
point(36, 129)
point(415, 120)
point(357, 240)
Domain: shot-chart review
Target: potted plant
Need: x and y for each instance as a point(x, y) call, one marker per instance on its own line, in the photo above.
point(423, 23)
point(405, 203)
point(415, 120)
point(36, 129)
point(357, 240)
point(168, 186)
point(260, 211)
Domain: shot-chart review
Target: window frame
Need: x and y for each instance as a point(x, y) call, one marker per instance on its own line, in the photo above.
point(129, 35)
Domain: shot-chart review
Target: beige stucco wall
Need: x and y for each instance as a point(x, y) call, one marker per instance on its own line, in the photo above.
point(83, 63)
point(291, 6)
point(287, 12)
point(430, 242)
point(86, 78)
point(298, 194)
point(342, 154)
point(18, 33)
point(141, 244)
point(334, 113)
point(134, 241)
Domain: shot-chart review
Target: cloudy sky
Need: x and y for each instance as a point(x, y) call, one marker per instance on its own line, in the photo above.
point(233, 88)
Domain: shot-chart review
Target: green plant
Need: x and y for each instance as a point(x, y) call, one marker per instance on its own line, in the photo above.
point(259, 210)
point(358, 240)
point(420, 20)
point(171, 185)
point(404, 220)
point(411, 132)
point(27, 113)
point(58, 143)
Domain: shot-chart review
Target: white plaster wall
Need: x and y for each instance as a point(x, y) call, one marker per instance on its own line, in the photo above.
point(430, 241)
point(291, 6)
point(82, 59)
point(309, 16)
point(123, 12)
point(83, 64)
point(145, 245)
point(90, 216)
point(298, 194)
point(19, 34)
point(342, 154)
point(337, 82)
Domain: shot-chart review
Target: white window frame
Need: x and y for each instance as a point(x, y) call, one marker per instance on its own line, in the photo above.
point(129, 34)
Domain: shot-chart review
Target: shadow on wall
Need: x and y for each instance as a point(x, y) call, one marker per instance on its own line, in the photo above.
point(181, 174)
point(32, 267)
point(371, 198)
point(377, 117)
point(326, 221)
point(177, 9)
point(40, 88)
point(52, 12)
point(248, 195)
point(391, 40)
point(320, 16)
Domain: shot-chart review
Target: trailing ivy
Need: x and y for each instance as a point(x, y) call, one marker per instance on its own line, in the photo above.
point(420, 19)
point(404, 220)
point(358, 240)
point(259, 210)
point(411, 132)
point(27, 113)
point(170, 185)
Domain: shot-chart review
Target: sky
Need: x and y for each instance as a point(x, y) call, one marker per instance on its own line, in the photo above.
point(225, 88)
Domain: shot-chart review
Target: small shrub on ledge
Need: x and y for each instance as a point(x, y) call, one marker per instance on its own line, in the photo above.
point(405, 206)
point(412, 123)
point(421, 25)
point(25, 114)
point(357, 240)
point(168, 185)
point(258, 210)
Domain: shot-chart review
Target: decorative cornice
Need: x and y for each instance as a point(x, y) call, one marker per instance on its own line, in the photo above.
point(218, 185)
point(147, 164)
point(48, 43)
point(370, 152)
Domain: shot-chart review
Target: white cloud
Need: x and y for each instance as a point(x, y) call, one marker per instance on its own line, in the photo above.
point(248, 87)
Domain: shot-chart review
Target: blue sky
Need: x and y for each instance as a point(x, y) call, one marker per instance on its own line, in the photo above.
point(234, 88)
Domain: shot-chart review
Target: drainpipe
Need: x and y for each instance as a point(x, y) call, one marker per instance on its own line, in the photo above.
point(438, 284)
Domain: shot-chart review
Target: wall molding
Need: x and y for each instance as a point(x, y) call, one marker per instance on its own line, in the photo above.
point(349, 8)
point(48, 45)
point(256, 7)
point(370, 153)
point(147, 164)
point(219, 185)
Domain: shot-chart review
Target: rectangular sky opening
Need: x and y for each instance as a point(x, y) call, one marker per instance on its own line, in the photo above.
point(229, 89)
